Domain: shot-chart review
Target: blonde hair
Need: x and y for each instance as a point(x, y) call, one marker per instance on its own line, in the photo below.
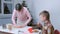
point(45, 13)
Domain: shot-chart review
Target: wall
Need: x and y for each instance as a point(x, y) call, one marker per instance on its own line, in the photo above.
point(17, 1)
point(53, 6)
point(4, 19)
point(36, 6)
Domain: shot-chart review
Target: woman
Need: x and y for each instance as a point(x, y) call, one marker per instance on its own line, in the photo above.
point(22, 14)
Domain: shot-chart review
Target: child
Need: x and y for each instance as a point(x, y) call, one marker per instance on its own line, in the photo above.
point(47, 28)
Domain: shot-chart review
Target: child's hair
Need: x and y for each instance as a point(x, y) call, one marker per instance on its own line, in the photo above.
point(45, 13)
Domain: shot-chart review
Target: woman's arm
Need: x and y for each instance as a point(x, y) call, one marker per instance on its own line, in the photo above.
point(14, 17)
point(29, 16)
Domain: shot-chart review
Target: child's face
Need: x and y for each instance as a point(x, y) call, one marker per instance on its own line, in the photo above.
point(42, 17)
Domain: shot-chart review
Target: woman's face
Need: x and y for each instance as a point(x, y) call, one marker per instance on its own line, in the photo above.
point(18, 7)
point(19, 10)
point(42, 17)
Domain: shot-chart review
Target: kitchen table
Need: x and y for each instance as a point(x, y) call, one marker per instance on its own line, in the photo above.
point(17, 31)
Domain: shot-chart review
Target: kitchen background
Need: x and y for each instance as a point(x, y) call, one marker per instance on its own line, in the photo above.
point(35, 7)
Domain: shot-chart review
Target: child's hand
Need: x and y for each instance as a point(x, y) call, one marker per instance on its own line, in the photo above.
point(39, 25)
point(44, 31)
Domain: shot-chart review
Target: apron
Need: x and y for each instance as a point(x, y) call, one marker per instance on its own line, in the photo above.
point(20, 23)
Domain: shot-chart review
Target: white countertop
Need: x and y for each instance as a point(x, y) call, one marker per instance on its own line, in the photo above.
point(15, 30)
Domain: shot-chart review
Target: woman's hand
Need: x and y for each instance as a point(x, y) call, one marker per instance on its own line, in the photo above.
point(23, 25)
point(19, 26)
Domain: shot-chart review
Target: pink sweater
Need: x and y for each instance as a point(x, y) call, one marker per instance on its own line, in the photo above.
point(22, 15)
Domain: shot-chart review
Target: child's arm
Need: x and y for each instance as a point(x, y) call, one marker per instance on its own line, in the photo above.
point(44, 31)
point(51, 29)
point(39, 25)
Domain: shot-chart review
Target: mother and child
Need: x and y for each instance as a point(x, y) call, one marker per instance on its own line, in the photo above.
point(23, 18)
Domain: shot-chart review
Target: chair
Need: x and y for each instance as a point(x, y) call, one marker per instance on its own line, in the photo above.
point(56, 32)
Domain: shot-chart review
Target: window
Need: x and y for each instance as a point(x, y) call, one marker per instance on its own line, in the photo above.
point(8, 0)
point(0, 6)
point(7, 8)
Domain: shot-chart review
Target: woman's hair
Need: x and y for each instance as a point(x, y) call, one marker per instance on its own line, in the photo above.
point(45, 13)
point(18, 6)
